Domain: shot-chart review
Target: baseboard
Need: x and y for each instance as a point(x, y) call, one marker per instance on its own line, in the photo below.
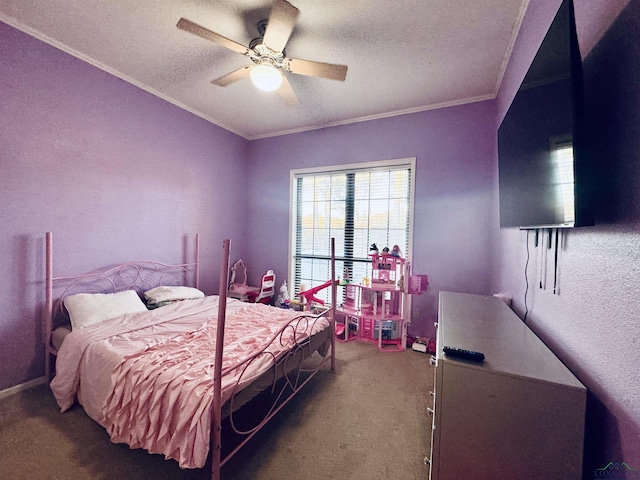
point(23, 386)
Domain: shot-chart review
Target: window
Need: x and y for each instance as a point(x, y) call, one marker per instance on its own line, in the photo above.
point(357, 205)
point(564, 182)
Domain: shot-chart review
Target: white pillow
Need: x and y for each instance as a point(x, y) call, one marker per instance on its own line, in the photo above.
point(170, 294)
point(90, 308)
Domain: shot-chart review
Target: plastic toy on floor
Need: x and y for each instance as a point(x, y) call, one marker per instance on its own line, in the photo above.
point(246, 293)
point(283, 300)
point(308, 297)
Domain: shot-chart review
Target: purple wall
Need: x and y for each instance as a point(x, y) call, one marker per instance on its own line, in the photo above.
point(118, 174)
point(592, 324)
point(115, 173)
point(455, 153)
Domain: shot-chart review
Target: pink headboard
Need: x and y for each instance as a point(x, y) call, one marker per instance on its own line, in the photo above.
point(139, 276)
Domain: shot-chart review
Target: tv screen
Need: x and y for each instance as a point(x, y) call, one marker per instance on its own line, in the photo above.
point(542, 181)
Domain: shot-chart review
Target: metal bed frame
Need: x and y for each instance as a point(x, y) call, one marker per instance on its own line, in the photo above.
point(286, 377)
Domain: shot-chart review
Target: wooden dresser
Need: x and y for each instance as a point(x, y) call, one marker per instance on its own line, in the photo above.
point(517, 415)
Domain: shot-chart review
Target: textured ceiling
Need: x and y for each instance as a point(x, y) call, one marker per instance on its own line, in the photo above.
point(403, 56)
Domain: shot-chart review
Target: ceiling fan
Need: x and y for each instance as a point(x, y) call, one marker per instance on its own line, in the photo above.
point(270, 62)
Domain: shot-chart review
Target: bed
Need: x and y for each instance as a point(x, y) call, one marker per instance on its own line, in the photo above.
point(164, 378)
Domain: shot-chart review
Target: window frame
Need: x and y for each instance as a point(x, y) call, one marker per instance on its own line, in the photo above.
point(408, 163)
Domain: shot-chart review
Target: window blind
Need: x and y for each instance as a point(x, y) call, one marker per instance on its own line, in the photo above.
point(357, 207)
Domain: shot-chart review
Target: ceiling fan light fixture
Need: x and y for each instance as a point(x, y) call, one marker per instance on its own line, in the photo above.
point(266, 77)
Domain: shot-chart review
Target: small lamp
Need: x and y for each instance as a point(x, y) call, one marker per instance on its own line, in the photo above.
point(266, 77)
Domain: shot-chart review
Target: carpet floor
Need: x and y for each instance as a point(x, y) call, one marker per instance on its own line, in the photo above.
point(366, 421)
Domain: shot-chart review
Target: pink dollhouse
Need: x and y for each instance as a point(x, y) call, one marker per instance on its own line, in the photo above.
point(374, 312)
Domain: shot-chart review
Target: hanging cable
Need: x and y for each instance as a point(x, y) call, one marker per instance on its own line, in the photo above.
point(526, 280)
point(555, 264)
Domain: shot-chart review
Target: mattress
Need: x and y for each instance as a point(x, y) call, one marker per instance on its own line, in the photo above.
point(107, 366)
point(58, 336)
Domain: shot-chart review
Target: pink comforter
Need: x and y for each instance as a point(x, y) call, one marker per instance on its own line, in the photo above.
point(160, 394)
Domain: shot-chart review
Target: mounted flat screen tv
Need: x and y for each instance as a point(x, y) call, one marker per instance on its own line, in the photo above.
point(543, 175)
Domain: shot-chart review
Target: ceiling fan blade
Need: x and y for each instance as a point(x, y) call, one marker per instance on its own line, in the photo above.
point(282, 19)
point(239, 74)
point(196, 29)
point(287, 93)
point(317, 69)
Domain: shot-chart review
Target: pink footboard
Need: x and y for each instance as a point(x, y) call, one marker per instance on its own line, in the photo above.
point(288, 373)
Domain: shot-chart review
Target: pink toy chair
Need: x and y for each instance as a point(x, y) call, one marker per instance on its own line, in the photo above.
point(267, 288)
point(246, 293)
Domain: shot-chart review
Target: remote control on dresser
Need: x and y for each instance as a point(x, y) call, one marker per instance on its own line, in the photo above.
point(462, 353)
